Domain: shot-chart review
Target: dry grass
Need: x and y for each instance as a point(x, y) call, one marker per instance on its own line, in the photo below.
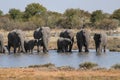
point(38, 74)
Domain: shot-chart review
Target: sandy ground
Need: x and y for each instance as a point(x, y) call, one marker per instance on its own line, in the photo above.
point(41, 74)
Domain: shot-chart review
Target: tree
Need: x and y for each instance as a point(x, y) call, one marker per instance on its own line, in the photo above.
point(74, 18)
point(53, 18)
point(116, 14)
point(97, 16)
point(33, 9)
point(108, 24)
point(1, 13)
point(15, 13)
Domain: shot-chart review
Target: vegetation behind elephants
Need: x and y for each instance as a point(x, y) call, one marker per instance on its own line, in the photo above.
point(36, 15)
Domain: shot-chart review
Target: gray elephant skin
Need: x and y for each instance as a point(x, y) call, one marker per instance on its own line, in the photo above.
point(83, 38)
point(29, 45)
point(100, 40)
point(1, 44)
point(16, 40)
point(62, 44)
point(42, 34)
point(70, 35)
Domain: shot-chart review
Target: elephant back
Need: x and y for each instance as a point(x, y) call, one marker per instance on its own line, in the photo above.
point(13, 36)
point(67, 34)
point(101, 37)
point(83, 35)
point(39, 32)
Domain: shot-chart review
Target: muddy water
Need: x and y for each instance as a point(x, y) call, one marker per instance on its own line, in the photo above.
point(59, 59)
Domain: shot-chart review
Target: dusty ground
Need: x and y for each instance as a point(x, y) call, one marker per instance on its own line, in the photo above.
point(39, 74)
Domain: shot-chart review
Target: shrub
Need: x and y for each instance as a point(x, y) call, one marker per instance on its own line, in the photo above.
point(88, 65)
point(108, 24)
point(116, 66)
point(44, 65)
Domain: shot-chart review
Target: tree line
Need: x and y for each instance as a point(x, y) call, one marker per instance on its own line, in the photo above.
point(36, 15)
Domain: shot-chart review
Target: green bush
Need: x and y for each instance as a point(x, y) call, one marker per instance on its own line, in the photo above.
point(88, 65)
point(44, 65)
point(108, 24)
point(116, 66)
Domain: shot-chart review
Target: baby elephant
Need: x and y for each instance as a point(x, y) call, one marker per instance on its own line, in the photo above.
point(29, 45)
point(62, 44)
point(100, 42)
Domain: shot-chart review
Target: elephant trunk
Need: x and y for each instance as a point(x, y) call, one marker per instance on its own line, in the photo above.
point(22, 43)
point(45, 43)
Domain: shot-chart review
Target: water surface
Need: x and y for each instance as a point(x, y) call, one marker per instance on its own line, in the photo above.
point(59, 59)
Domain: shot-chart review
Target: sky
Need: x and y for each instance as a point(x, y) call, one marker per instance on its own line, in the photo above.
point(107, 6)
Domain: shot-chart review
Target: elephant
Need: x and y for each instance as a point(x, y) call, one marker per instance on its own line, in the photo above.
point(70, 35)
point(100, 40)
point(83, 39)
point(1, 44)
point(42, 34)
point(16, 40)
point(29, 45)
point(62, 44)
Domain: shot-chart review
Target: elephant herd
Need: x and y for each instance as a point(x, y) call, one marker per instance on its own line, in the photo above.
point(16, 39)
point(66, 40)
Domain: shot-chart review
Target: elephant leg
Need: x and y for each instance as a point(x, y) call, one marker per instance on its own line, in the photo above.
point(14, 49)
point(70, 47)
point(60, 49)
point(99, 49)
point(0, 49)
point(44, 49)
point(104, 48)
point(9, 46)
point(26, 50)
point(80, 47)
point(45, 46)
point(86, 48)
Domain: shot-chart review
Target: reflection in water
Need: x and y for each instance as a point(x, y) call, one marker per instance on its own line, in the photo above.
point(59, 59)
